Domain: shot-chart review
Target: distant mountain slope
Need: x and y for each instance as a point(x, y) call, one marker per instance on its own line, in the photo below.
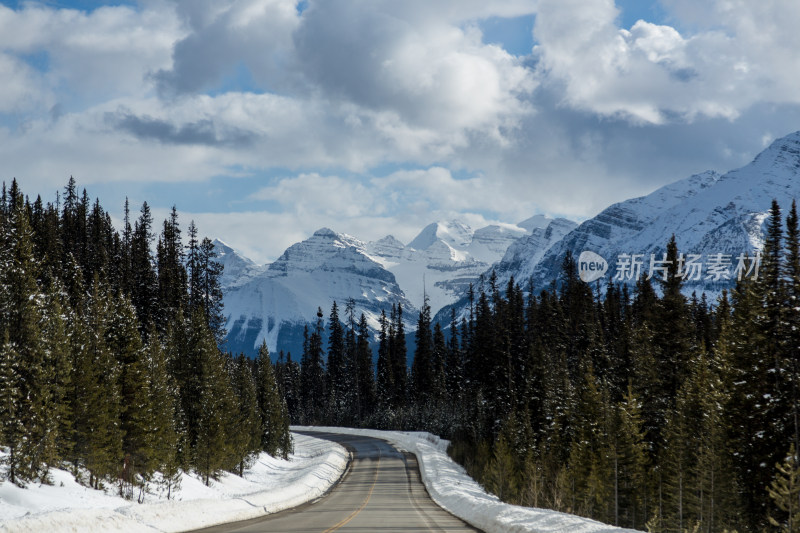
point(277, 302)
point(446, 257)
point(709, 214)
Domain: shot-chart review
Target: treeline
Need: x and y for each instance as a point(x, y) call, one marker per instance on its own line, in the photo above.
point(109, 358)
point(647, 410)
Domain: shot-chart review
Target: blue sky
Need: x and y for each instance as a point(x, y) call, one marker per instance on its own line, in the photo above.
point(264, 120)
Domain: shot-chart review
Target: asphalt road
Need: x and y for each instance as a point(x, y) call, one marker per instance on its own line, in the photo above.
point(381, 492)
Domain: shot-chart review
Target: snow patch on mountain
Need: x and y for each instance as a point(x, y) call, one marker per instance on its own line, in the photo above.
point(276, 303)
point(708, 213)
point(443, 259)
point(237, 269)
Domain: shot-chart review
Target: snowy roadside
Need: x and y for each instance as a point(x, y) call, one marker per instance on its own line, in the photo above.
point(269, 486)
point(450, 487)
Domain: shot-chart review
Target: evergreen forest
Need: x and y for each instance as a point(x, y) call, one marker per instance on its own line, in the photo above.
point(639, 407)
point(110, 359)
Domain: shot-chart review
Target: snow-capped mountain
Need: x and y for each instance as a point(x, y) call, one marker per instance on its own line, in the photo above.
point(446, 257)
point(709, 214)
point(275, 303)
point(237, 269)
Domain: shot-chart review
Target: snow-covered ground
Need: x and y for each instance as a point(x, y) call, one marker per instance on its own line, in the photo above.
point(450, 487)
point(271, 485)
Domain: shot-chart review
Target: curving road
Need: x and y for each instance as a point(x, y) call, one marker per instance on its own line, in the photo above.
point(382, 491)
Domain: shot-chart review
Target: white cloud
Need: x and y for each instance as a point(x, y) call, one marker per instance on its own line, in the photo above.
point(103, 54)
point(743, 53)
point(19, 88)
point(597, 114)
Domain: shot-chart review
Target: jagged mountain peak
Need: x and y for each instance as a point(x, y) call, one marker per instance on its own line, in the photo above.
point(536, 221)
point(708, 213)
point(454, 233)
point(237, 269)
point(327, 267)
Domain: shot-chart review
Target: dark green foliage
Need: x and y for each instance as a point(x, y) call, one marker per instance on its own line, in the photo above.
point(247, 434)
point(213, 424)
point(365, 372)
point(313, 380)
point(785, 492)
point(99, 368)
point(273, 428)
point(338, 386)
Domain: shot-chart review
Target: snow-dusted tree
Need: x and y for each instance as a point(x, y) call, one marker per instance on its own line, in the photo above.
point(273, 415)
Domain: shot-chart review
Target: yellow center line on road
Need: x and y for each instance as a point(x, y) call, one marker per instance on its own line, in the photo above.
point(369, 495)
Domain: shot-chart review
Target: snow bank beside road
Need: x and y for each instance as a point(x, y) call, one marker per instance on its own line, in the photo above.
point(271, 485)
point(451, 487)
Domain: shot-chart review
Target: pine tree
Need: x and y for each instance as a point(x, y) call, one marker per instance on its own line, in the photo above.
point(313, 379)
point(589, 463)
point(274, 422)
point(365, 370)
point(172, 278)
point(337, 386)
point(501, 477)
point(57, 373)
point(213, 448)
point(21, 315)
point(163, 406)
point(384, 385)
point(96, 407)
point(144, 282)
point(422, 371)
point(247, 434)
point(631, 461)
point(124, 341)
point(12, 430)
point(785, 493)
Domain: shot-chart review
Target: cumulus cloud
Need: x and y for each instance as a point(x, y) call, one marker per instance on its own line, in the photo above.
point(429, 71)
point(741, 54)
point(188, 90)
point(19, 90)
point(105, 53)
point(224, 35)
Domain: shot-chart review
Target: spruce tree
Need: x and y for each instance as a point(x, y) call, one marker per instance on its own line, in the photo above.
point(124, 341)
point(313, 378)
point(631, 463)
point(422, 371)
point(162, 433)
point(172, 278)
point(337, 386)
point(12, 429)
point(21, 315)
point(785, 493)
point(213, 449)
point(791, 322)
point(247, 434)
point(144, 283)
point(384, 384)
point(96, 407)
point(398, 357)
point(365, 370)
point(274, 435)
